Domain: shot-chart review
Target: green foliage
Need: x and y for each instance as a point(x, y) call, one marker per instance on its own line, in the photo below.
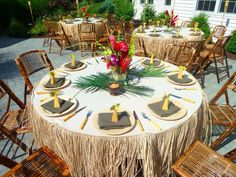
point(16, 28)
point(203, 23)
point(94, 8)
point(160, 16)
point(108, 6)
point(39, 28)
point(124, 8)
point(150, 71)
point(231, 46)
point(148, 13)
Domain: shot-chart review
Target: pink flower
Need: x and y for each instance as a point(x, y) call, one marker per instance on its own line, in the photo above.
point(112, 40)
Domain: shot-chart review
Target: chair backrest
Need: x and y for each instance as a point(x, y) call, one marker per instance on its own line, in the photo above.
point(6, 91)
point(180, 55)
point(87, 32)
point(219, 47)
point(218, 31)
point(101, 30)
point(128, 27)
point(31, 62)
point(230, 84)
point(42, 162)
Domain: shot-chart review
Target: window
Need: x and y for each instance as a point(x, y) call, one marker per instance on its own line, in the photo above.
point(206, 5)
point(231, 7)
point(141, 1)
point(167, 2)
point(150, 1)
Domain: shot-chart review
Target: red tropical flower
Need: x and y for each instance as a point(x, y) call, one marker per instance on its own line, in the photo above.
point(84, 9)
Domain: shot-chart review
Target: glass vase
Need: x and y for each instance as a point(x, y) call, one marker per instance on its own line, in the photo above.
point(118, 75)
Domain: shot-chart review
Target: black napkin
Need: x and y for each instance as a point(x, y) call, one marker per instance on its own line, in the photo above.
point(154, 35)
point(59, 82)
point(157, 108)
point(184, 80)
point(155, 62)
point(78, 64)
point(174, 36)
point(64, 106)
point(105, 121)
point(156, 31)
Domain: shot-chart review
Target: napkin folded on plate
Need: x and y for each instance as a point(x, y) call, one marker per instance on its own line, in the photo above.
point(157, 108)
point(155, 62)
point(175, 36)
point(64, 105)
point(78, 64)
point(154, 35)
point(105, 121)
point(184, 80)
point(59, 82)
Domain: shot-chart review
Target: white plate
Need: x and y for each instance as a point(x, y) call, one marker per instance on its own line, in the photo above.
point(77, 69)
point(46, 79)
point(64, 97)
point(180, 114)
point(183, 84)
point(115, 132)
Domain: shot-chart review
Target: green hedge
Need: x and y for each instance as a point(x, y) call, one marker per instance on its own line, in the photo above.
point(231, 46)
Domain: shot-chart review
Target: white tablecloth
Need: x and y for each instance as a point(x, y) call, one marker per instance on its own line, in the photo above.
point(54, 132)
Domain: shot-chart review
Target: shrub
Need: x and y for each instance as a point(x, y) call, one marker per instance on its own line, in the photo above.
point(148, 13)
point(160, 16)
point(39, 28)
point(124, 8)
point(108, 6)
point(16, 28)
point(231, 46)
point(203, 23)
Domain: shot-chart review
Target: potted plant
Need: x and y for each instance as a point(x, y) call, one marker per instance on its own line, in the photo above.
point(231, 46)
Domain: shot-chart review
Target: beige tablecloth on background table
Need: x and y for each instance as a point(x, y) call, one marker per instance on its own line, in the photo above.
point(157, 45)
point(89, 152)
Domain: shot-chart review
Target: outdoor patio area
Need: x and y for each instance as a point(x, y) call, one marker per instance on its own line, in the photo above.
point(89, 91)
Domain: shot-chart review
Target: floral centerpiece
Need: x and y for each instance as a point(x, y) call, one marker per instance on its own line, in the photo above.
point(171, 19)
point(85, 14)
point(118, 57)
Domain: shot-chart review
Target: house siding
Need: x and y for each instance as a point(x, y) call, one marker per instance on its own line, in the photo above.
point(186, 9)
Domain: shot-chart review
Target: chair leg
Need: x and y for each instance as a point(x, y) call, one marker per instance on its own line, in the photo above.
point(25, 94)
point(217, 73)
point(7, 162)
point(50, 45)
point(227, 66)
point(222, 137)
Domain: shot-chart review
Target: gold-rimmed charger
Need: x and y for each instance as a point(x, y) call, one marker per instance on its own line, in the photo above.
point(193, 81)
point(118, 131)
point(76, 69)
point(67, 111)
point(176, 116)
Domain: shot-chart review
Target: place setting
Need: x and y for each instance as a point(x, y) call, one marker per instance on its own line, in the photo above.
point(114, 121)
point(152, 62)
point(57, 104)
point(74, 65)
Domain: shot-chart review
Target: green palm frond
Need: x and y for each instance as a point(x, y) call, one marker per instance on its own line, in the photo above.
point(139, 90)
point(149, 71)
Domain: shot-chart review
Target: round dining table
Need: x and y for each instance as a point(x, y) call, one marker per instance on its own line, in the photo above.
point(70, 26)
point(95, 153)
point(156, 39)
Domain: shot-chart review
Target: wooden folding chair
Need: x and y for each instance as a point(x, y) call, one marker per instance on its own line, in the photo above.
point(42, 163)
point(216, 34)
point(224, 115)
point(199, 160)
point(231, 155)
point(128, 27)
point(13, 122)
point(141, 51)
point(30, 62)
point(87, 37)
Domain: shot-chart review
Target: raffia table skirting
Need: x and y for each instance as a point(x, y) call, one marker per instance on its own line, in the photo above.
point(158, 45)
point(97, 156)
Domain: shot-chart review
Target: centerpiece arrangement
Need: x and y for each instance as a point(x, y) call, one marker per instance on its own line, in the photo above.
point(120, 75)
point(171, 19)
point(85, 14)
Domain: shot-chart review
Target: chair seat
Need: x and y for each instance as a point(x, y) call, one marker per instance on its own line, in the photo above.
point(203, 54)
point(199, 160)
point(17, 120)
point(209, 46)
point(223, 114)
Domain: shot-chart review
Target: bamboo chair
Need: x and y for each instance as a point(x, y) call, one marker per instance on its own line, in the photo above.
point(13, 122)
point(142, 52)
point(128, 28)
point(102, 32)
point(111, 20)
point(231, 155)
point(30, 62)
point(87, 37)
point(199, 160)
point(224, 115)
point(216, 34)
point(217, 54)
point(61, 38)
point(42, 163)
point(50, 32)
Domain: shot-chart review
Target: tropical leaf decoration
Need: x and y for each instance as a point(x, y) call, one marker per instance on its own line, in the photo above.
point(149, 71)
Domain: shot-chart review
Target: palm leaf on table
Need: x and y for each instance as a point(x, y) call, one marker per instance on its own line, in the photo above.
point(149, 71)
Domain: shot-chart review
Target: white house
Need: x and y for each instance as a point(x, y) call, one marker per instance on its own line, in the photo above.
point(186, 9)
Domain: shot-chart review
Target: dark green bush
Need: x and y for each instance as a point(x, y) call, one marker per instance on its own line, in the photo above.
point(160, 16)
point(148, 13)
point(231, 46)
point(16, 28)
point(203, 23)
point(108, 6)
point(124, 8)
point(39, 28)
